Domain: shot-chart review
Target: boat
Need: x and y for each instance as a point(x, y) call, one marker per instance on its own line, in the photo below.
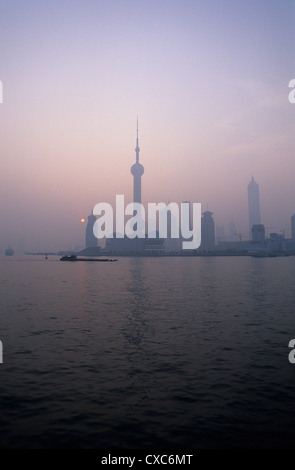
point(75, 258)
point(9, 251)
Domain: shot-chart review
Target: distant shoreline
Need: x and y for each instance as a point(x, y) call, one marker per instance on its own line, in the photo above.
point(174, 255)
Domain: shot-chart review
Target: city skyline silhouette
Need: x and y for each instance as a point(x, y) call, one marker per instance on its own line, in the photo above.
point(212, 100)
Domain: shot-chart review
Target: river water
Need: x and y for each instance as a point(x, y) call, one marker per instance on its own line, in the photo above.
point(146, 353)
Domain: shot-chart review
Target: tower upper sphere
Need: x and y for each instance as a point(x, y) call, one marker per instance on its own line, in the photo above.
point(137, 169)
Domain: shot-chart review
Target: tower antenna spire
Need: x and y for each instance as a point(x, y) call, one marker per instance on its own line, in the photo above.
point(137, 149)
point(137, 171)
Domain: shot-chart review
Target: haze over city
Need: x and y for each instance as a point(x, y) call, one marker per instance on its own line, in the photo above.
point(207, 79)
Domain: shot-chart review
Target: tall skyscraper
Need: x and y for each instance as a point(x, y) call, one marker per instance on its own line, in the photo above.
point(207, 231)
point(90, 239)
point(137, 171)
point(293, 226)
point(253, 204)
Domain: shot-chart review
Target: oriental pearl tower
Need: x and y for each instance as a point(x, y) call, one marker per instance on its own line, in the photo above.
point(137, 171)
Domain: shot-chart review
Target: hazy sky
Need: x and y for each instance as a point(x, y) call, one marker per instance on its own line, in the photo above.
point(208, 80)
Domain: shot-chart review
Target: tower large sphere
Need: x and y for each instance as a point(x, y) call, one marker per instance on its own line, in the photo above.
point(137, 169)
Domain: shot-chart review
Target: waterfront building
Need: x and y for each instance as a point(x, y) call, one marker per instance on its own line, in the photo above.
point(207, 231)
point(258, 233)
point(90, 239)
